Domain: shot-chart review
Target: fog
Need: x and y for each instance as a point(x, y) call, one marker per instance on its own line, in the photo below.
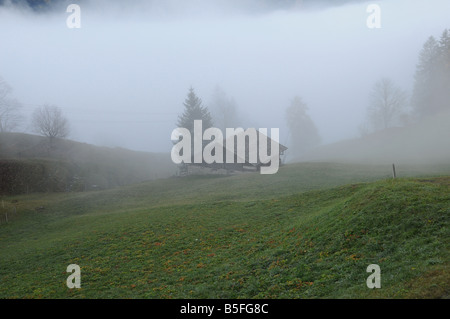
point(122, 77)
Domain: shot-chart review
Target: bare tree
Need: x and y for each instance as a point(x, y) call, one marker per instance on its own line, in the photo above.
point(386, 105)
point(49, 121)
point(10, 116)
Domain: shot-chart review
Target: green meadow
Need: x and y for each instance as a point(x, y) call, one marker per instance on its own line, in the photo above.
point(309, 231)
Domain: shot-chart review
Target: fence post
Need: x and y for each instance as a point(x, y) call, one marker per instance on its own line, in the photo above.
point(394, 175)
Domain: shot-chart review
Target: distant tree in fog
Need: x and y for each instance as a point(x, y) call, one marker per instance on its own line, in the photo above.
point(49, 121)
point(224, 110)
point(10, 116)
point(194, 110)
point(387, 104)
point(431, 93)
point(426, 78)
point(303, 133)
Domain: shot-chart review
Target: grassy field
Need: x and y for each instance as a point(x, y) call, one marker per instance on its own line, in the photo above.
point(309, 231)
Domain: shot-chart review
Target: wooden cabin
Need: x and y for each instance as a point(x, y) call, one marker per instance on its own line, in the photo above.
point(239, 163)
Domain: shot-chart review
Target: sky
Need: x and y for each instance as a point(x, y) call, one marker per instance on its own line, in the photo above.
point(122, 77)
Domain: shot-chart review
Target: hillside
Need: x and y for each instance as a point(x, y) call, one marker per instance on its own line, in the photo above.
point(309, 231)
point(28, 164)
point(426, 143)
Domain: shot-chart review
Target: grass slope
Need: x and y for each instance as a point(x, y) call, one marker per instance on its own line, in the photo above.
point(425, 142)
point(28, 164)
point(300, 233)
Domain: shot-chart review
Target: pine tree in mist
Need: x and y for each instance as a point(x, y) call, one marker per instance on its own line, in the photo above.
point(444, 59)
point(194, 111)
point(431, 93)
point(303, 132)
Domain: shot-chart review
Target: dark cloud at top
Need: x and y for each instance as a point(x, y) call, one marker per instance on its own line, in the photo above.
point(266, 5)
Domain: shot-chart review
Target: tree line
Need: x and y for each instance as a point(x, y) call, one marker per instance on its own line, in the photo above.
point(388, 104)
point(47, 120)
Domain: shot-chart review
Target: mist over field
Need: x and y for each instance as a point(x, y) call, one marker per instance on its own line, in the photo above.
point(122, 77)
point(106, 192)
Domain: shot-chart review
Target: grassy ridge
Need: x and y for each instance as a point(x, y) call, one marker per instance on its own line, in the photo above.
point(249, 236)
point(28, 164)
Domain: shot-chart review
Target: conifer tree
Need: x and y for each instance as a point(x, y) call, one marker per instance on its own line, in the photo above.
point(431, 93)
point(194, 111)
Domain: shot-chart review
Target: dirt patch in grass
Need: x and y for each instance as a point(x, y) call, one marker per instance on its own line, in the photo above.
point(434, 284)
point(444, 181)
